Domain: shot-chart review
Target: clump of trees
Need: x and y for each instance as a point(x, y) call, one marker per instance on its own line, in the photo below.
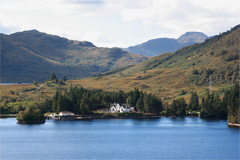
point(231, 101)
point(8, 107)
point(212, 106)
point(227, 107)
point(30, 115)
point(53, 78)
point(144, 102)
point(178, 107)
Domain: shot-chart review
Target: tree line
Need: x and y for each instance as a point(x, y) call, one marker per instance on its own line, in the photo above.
point(227, 107)
point(212, 106)
point(83, 101)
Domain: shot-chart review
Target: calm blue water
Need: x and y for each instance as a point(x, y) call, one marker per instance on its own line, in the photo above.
point(164, 138)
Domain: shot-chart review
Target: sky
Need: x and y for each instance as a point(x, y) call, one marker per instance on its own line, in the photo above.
point(119, 23)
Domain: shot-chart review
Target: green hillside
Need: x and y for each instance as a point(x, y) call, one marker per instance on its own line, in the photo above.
point(32, 55)
point(187, 69)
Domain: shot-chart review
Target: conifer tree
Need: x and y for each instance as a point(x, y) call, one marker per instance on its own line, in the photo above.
point(133, 97)
point(234, 104)
point(64, 78)
point(35, 83)
point(52, 77)
point(84, 106)
point(194, 102)
point(140, 103)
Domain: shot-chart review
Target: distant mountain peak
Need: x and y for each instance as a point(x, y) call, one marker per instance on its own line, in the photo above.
point(192, 37)
point(33, 30)
point(158, 46)
point(28, 32)
point(194, 32)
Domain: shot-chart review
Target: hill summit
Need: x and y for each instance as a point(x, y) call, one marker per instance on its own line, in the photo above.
point(33, 55)
point(192, 38)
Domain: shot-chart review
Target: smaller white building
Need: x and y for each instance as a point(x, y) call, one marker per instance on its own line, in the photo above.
point(66, 113)
point(116, 107)
point(52, 115)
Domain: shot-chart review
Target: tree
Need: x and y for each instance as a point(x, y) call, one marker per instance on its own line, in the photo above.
point(121, 96)
point(182, 106)
point(52, 77)
point(224, 105)
point(4, 107)
point(140, 103)
point(133, 97)
point(59, 103)
point(207, 110)
point(55, 101)
point(152, 104)
point(194, 102)
point(178, 107)
point(84, 106)
point(35, 83)
point(64, 78)
point(47, 106)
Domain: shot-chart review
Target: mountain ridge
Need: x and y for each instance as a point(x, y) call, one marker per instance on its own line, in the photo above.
point(33, 55)
point(158, 46)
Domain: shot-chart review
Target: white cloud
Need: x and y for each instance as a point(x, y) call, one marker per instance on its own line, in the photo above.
point(180, 16)
point(119, 22)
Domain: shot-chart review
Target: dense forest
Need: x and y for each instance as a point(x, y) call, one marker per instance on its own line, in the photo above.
point(232, 101)
point(84, 101)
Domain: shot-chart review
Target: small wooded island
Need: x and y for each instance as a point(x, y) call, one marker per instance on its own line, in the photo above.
point(30, 116)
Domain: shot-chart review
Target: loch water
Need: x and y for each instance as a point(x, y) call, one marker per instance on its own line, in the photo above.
point(163, 138)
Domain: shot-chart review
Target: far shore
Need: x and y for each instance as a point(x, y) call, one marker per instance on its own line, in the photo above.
point(106, 116)
point(7, 115)
point(114, 116)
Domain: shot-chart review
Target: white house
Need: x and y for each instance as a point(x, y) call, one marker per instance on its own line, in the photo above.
point(121, 109)
point(66, 113)
point(113, 109)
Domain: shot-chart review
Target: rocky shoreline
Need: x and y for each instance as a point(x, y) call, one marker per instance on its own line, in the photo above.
point(31, 122)
point(234, 125)
point(106, 116)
